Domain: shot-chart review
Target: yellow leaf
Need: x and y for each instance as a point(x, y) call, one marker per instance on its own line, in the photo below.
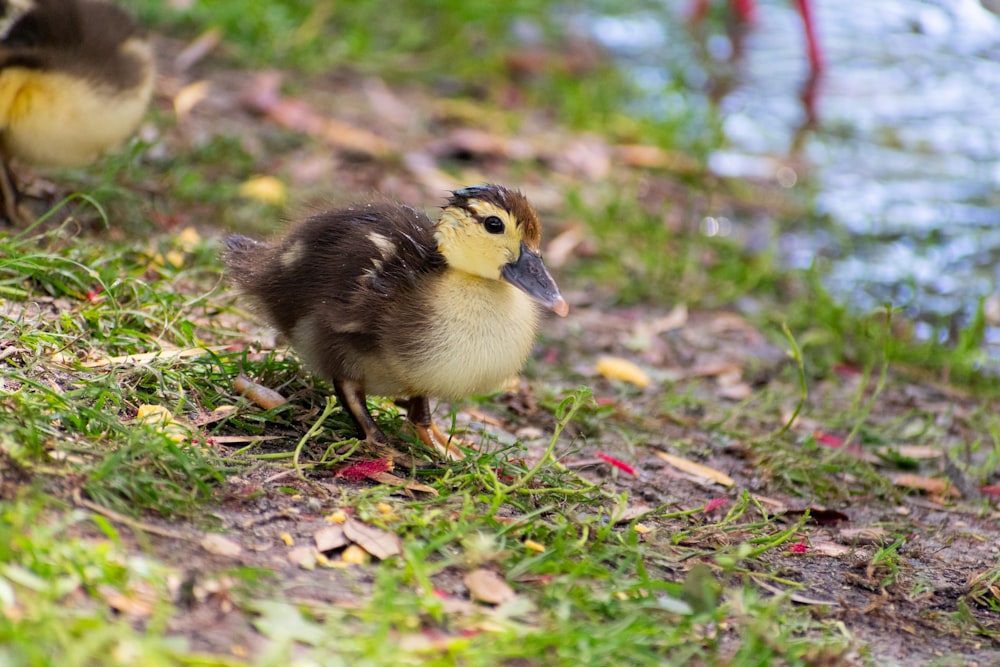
point(355, 555)
point(175, 258)
point(534, 546)
point(188, 239)
point(265, 189)
point(697, 469)
point(153, 414)
point(642, 529)
point(340, 516)
point(616, 368)
point(161, 418)
point(287, 539)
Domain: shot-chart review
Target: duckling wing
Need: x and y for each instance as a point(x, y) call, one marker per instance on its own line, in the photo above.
point(339, 279)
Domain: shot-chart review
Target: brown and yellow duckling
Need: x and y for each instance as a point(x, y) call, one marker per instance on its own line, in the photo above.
point(75, 79)
point(378, 299)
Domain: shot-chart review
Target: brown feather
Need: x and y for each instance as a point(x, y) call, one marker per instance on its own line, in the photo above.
point(79, 37)
point(329, 270)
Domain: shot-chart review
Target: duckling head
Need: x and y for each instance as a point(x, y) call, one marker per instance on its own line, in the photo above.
point(492, 232)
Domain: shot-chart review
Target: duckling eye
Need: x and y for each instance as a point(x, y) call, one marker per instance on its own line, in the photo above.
point(493, 225)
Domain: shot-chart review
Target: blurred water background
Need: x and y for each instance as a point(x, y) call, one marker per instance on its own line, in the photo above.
point(905, 156)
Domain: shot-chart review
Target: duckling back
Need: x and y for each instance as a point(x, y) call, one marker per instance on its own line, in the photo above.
point(76, 77)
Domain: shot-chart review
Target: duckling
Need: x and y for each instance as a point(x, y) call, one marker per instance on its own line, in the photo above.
point(75, 79)
point(378, 299)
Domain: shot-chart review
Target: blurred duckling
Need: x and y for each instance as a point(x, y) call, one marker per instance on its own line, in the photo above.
point(378, 299)
point(76, 77)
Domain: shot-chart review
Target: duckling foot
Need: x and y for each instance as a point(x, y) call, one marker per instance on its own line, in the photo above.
point(418, 413)
point(444, 445)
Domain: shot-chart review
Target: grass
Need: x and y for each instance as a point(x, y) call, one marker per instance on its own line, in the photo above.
point(103, 511)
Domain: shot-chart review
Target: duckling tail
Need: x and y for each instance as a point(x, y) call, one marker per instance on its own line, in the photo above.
point(242, 255)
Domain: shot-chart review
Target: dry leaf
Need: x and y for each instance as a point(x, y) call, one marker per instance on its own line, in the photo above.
point(218, 414)
point(777, 506)
point(387, 104)
point(616, 368)
point(353, 138)
point(264, 96)
point(798, 597)
point(330, 537)
point(304, 556)
point(190, 96)
point(919, 451)
point(932, 485)
point(220, 545)
point(713, 369)
point(480, 416)
point(677, 318)
point(828, 548)
point(632, 512)
point(488, 586)
point(739, 391)
point(803, 599)
point(587, 156)
point(265, 397)
point(392, 480)
point(198, 49)
point(653, 157)
point(864, 535)
point(240, 439)
point(379, 543)
point(146, 357)
point(697, 469)
point(424, 168)
point(561, 247)
point(139, 604)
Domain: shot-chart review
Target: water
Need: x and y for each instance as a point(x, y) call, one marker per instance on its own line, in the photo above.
point(906, 153)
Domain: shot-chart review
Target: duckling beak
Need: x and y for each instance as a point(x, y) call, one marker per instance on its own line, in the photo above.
point(529, 274)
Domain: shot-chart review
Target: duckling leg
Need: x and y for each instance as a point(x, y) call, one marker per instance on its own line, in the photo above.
point(418, 413)
point(16, 214)
point(351, 395)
